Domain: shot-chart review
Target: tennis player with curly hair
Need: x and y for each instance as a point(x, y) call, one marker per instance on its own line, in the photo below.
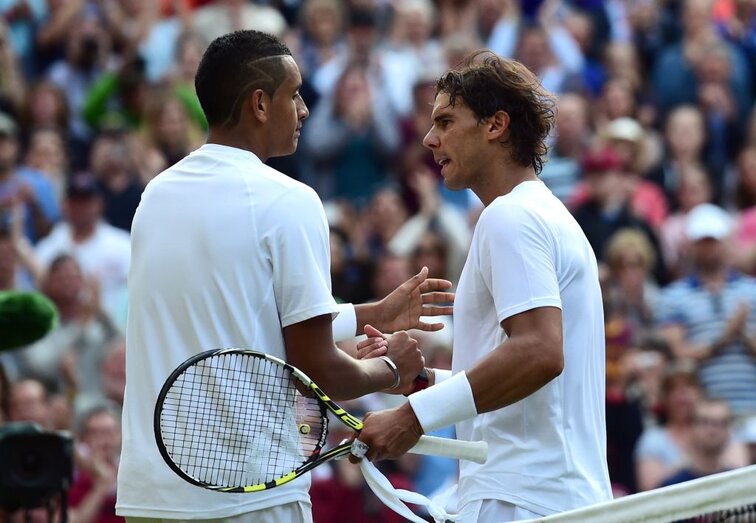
point(528, 363)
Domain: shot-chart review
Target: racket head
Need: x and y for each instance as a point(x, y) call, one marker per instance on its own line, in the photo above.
point(234, 420)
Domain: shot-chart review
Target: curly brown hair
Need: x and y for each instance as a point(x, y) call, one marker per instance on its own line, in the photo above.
point(487, 83)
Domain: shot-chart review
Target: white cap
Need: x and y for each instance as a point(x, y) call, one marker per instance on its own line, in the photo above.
point(708, 221)
point(624, 129)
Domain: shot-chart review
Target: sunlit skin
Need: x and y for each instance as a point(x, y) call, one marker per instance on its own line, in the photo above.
point(471, 153)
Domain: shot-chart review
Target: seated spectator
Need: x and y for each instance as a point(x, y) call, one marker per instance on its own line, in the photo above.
point(710, 314)
point(710, 439)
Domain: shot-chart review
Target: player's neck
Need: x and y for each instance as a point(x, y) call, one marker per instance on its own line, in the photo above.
point(501, 179)
point(240, 140)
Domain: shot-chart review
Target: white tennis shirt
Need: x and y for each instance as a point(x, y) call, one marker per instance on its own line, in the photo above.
point(547, 452)
point(225, 252)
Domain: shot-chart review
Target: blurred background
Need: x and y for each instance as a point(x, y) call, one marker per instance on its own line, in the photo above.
point(654, 151)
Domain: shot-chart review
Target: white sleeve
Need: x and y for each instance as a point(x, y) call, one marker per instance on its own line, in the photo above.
point(345, 323)
point(299, 251)
point(517, 260)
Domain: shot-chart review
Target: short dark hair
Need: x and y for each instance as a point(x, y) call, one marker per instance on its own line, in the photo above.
point(232, 66)
point(487, 83)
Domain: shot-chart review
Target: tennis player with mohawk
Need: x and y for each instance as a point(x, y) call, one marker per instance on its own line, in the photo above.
point(228, 252)
point(528, 362)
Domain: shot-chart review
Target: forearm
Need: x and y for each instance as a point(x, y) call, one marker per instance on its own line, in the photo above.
point(343, 377)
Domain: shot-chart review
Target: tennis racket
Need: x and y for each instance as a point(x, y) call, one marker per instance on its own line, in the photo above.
point(234, 420)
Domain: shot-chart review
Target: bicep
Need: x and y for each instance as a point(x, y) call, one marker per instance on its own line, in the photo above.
point(542, 326)
point(308, 343)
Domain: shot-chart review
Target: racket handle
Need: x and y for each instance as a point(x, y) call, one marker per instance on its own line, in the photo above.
point(476, 451)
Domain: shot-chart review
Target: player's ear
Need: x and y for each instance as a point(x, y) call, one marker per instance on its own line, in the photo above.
point(498, 126)
point(259, 104)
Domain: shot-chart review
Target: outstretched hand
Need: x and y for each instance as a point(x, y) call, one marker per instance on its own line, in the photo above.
point(416, 297)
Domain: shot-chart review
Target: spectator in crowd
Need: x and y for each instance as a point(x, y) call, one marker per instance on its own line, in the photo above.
point(692, 190)
point(12, 79)
point(92, 493)
point(710, 437)
point(68, 359)
point(606, 208)
point(664, 450)
point(28, 401)
point(352, 135)
point(710, 314)
point(46, 107)
point(113, 165)
point(434, 216)
point(630, 292)
point(87, 55)
point(24, 187)
point(628, 139)
point(684, 137)
point(745, 202)
point(320, 34)
point(223, 16)
point(101, 249)
point(561, 173)
point(47, 154)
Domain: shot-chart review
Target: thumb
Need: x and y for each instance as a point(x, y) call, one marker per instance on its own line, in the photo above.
point(372, 332)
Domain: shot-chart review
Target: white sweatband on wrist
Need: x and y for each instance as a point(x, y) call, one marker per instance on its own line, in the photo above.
point(444, 404)
point(440, 375)
point(344, 325)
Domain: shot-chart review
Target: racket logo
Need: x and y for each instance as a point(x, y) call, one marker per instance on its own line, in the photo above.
point(343, 415)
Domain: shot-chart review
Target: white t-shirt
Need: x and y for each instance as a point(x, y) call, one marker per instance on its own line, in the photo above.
point(225, 252)
point(547, 452)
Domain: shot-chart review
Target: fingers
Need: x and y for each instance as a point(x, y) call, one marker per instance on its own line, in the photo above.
point(434, 284)
point(372, 348)
point(372, 332)
point(417, 281)
point(438, 297)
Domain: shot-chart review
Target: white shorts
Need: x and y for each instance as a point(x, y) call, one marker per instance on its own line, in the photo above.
point(493, 511)
point(296, 512)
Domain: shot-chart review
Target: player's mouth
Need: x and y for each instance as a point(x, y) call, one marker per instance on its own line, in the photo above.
point(443, 161)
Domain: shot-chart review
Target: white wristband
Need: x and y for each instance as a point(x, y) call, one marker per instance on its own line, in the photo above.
point(440, 375)
point(344, 325)
point(444, 404)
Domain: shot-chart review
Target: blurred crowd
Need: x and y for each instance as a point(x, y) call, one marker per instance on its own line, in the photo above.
point(654, 152)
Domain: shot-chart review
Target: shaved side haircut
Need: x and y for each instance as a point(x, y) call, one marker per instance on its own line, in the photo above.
point(233, 66)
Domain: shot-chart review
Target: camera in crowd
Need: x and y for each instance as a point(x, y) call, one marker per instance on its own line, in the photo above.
point(35, 466)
